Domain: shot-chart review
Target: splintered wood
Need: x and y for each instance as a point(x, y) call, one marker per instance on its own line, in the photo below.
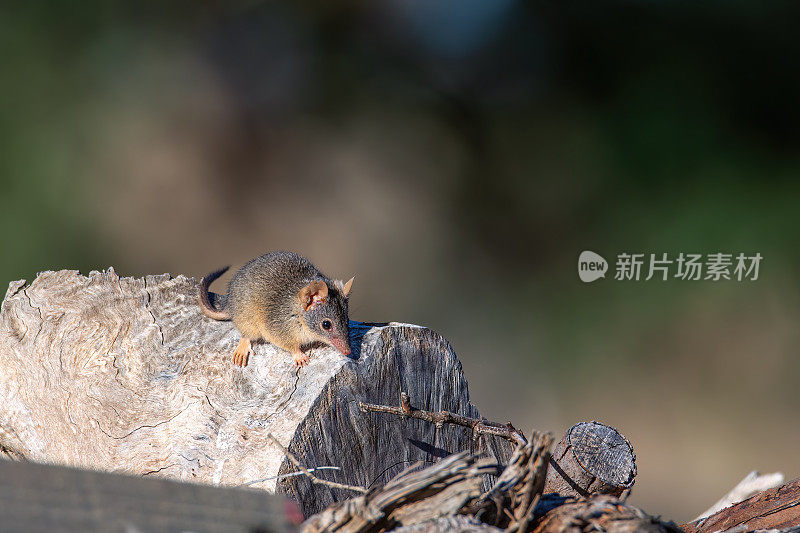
point(412, 497)
point(513, 498)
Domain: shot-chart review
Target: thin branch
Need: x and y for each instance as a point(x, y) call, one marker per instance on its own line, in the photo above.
point(312, 477)
point(290, 474)
point(479, 426)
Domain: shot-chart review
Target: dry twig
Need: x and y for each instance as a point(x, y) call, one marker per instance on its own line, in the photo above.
point(290, 474)
point(312, 477)
point(479, 426)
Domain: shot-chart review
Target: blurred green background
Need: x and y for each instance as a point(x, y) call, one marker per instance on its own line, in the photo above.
point(456, 156)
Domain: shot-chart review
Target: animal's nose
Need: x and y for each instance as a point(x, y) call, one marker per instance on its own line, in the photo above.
point(341, 345)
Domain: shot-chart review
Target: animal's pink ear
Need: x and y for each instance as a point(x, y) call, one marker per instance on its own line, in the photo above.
point(348, 286)
point(313, 294)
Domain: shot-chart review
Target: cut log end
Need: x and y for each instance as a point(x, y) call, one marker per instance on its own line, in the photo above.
point(592, 458)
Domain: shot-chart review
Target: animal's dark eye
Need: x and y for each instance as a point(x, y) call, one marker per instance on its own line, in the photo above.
point(326, 324)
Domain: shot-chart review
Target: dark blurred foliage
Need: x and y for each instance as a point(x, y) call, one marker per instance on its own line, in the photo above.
point(458, 156)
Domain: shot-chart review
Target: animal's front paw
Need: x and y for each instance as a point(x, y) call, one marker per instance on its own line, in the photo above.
point(242, 353)
point(300, 359)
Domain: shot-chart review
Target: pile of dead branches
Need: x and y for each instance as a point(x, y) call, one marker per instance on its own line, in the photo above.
point(580, 484)
point(448, 497)
point(593, 463)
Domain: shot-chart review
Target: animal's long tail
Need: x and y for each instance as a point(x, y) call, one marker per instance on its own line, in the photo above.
point(205, 300)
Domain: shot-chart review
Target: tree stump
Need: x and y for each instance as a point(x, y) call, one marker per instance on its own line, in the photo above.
point(127, 375)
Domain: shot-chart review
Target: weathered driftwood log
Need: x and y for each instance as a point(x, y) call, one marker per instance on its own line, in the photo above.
point(773, 509)
point(592, 458)
point(127, 375)
point(36, 497)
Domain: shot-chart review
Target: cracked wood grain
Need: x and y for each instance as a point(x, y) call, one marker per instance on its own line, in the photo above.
point(127, 375)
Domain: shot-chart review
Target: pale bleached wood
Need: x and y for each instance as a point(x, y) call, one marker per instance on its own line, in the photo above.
point(127, 375)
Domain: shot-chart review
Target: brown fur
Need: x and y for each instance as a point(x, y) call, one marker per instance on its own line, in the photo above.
point(282, 298)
